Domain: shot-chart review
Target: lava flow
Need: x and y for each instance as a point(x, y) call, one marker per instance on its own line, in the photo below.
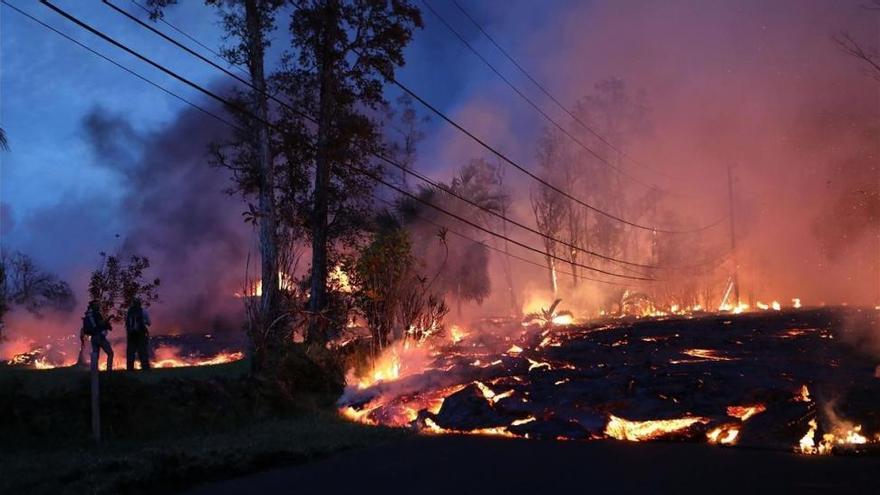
point(753, 379)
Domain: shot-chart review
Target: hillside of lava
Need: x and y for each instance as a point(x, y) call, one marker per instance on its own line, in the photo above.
point(800, 379)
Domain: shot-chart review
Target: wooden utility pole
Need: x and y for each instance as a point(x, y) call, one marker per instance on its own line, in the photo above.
point(96, 403)
point(733, 238)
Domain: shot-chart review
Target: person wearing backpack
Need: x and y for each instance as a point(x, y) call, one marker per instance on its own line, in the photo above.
point(97, 327)
point(137, 333)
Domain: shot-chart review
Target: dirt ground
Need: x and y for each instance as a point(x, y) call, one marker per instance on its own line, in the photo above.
point(475, 464)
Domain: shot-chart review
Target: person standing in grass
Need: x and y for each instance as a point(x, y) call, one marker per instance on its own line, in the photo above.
point(97, 327)
point(137, 333)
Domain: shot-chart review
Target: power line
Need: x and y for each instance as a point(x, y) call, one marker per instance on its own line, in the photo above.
point(535, 106)
point(356, 169)
point(117, 64)
point(535, 177)
point(509, 255)
point(549, 95)
point(385, 158)
point(241, 68)
point(380, 156)
point(417, 97)
point(493, 233)
point(451, 192)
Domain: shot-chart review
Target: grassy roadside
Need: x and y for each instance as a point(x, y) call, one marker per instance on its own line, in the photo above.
point(163, 464)
point(164, 430)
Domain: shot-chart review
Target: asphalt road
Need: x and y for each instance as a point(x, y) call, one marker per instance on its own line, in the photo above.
point(453, 465)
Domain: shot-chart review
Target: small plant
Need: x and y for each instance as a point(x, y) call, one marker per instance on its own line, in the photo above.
point(547, 317)
point(115, 285)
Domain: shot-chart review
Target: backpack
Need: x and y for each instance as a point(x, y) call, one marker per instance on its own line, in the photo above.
point(134, 322)
point(91, 324)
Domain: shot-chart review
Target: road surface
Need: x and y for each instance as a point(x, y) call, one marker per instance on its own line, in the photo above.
point(452, 465)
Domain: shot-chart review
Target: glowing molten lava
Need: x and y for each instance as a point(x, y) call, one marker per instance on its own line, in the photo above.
point(724, 435)
point(639, 431)
point(745, 412)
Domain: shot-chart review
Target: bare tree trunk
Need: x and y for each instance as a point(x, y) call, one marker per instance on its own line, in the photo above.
point(318, 299)
point(551, 268)
point(268, 230)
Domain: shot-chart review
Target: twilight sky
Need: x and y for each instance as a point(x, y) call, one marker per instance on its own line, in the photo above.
point(754, 83)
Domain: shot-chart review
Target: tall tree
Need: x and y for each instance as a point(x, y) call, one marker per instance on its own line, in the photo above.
point(343, 52)
point(548, 206)
point(248, 25)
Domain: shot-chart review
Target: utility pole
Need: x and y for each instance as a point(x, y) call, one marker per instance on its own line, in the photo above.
point(733, 238)
point(96, 400)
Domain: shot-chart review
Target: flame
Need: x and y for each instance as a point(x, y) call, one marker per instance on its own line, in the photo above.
point(456, 334)
point(702, 355)
point(533, 365)
point(639, 431)
point(740, 307)
point(724, 435)
point(340, 279)
point(523, 421)
point(776, 306)
point(490, 394)
point(844, 434)
point(743, 413)
point(796, 302)
point(176, 361)
point(255, 288)
point(563, 320)
point(803, 395)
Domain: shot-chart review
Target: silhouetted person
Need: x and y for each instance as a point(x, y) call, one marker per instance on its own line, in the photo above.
point(97, 327)
point(137, 333)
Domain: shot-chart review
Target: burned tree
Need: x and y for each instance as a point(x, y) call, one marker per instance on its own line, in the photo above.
point(548, 205)
point(342, 53)
point(250, 154)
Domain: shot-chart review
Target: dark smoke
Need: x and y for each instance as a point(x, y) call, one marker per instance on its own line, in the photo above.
point(177, 213)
